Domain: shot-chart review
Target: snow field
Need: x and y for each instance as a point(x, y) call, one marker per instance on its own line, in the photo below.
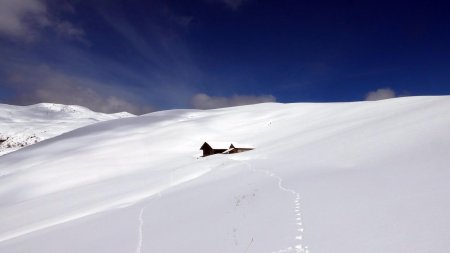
point(339, 177)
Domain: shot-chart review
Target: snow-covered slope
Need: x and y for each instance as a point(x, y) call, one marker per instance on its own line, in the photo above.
point(21, 126)
point(339, 177)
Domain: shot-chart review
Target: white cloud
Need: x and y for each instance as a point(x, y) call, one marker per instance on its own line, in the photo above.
point(44, 84)
point(203, 101)
point(380, 94)
point(26, 19)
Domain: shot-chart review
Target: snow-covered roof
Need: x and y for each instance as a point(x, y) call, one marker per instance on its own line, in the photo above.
point(242, 145)
point(227, 151)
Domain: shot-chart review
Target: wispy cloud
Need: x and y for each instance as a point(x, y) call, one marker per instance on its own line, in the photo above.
point(159, 41)
point(160, 49)
point(26, 19)
point(157, 62)
point(380, 94)
point(203, 101)
point(69, 30)
point(153, 66)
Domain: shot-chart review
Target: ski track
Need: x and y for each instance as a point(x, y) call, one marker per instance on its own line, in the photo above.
point(299, 247)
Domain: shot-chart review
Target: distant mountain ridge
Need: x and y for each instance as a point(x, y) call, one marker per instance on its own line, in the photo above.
point(21, 126)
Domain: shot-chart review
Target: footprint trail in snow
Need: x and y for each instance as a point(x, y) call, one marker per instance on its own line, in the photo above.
point(140, 229)
point(299, 247)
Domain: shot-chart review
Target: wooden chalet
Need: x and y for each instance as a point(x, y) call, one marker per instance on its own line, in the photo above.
point(211, 148)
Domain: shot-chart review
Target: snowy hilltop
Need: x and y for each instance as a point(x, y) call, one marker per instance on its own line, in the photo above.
point(336, 177)
point(21, 126)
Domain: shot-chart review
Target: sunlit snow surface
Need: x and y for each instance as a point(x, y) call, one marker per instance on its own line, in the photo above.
point(21, 126)
point(338, 177)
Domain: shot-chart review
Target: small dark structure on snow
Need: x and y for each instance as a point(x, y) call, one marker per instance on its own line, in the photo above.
point(211, 148)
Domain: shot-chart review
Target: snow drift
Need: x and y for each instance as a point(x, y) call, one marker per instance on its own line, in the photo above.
point(338, 177)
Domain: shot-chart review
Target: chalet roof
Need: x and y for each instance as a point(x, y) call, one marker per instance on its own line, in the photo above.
point(226, 145)
point(217, 145)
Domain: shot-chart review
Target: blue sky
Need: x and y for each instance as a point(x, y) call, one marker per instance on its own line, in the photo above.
point(141, 56)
